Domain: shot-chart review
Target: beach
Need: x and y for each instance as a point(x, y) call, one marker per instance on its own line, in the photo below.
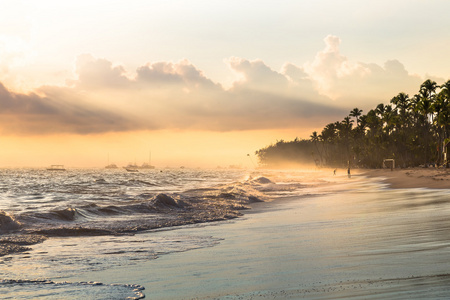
point(359, 240)
point(340, 238)
point(413, 177)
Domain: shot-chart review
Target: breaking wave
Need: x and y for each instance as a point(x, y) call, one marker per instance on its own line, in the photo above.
point(7, 222)
point(86, 204)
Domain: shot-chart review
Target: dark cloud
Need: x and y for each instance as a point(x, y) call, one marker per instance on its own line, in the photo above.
point(20, 104)
point(33, 114)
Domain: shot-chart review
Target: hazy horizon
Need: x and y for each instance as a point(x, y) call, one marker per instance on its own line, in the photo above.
point(200, 84)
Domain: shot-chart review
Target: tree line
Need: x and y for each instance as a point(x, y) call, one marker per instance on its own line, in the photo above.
point(412, 130)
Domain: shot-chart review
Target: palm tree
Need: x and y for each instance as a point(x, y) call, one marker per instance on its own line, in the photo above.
point(425, 106)
point(356, 113)
point(402, 105)
point(429, 87)
point(328, 137)
point(316, 138)
point(345, 128)
point(428, 93)
point(388, 118)
point(442, 108)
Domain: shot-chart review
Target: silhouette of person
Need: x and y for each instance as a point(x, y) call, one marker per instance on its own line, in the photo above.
point(348, 172)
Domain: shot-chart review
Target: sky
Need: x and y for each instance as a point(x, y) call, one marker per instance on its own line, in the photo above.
point(201, 83)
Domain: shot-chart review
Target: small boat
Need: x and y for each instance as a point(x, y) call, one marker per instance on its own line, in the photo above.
point(111, 166)
point(146, 166)
point(56, 168)
point(131, 168)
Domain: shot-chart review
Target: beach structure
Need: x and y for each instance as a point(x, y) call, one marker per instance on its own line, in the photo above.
point(389, 163)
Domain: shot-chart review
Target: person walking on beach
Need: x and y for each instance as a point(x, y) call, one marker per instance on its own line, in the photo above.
point(348, 172)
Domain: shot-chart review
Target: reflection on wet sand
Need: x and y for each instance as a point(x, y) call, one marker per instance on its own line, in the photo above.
point(359, 241)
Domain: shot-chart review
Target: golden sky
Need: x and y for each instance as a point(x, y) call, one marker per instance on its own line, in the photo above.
point(200, 84)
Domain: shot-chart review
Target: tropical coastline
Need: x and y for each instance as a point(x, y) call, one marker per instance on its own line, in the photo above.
point(301, 150)
point(411, 131)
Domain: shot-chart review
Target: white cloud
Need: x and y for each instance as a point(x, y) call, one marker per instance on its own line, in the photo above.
point(350, 82)
point(99, 73)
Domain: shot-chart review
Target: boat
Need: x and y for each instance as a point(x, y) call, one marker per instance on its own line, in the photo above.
point(111, 166)
point(56, 168)
point(131, 168)
point(146, 166)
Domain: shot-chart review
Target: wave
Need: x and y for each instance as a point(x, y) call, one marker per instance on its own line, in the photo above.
point(67, 214)
point(261, 180)
point(120, 211)
point(70, 290)
point(8, 222)
point(138, 182)
point(163, 201)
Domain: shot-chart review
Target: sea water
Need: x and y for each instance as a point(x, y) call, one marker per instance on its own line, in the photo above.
point(184, 234)
point(57, 224)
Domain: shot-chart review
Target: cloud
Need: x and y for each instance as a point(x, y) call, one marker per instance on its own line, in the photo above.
point(106, 97)
point(166, 95)
point(256, 75)
point(35, 114)
point(99, 74)
point(352, 82)
point(168, 73)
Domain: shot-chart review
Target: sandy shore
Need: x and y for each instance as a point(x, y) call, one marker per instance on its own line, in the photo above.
point(413, 178)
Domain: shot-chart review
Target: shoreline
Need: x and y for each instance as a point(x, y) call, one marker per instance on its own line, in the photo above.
point(307, 247)
point(303, 246)
point(431, 178)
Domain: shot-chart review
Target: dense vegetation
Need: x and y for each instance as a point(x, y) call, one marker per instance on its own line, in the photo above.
point(412, 130)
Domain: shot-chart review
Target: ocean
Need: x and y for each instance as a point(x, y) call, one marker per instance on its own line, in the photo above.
point(99, 215)
point(225, 234)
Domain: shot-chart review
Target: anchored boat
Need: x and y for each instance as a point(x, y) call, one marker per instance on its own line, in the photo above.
point(56, 168)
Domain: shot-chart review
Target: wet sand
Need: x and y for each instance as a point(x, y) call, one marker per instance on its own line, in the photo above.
point(356, 240)
point(413, 178)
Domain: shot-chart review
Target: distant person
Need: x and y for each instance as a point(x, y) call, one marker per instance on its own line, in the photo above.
point(348, 172)
point(334, 172)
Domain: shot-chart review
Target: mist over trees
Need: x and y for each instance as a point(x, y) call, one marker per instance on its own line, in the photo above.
point(413, 130)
